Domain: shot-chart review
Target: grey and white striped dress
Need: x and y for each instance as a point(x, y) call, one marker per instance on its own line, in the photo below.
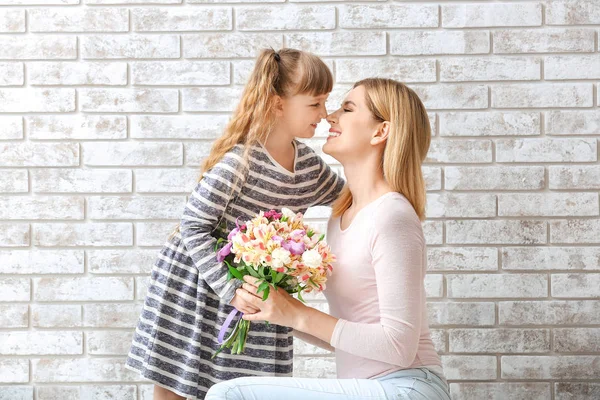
point(188, 296)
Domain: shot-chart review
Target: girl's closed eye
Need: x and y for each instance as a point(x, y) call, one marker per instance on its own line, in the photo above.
point(316, 105)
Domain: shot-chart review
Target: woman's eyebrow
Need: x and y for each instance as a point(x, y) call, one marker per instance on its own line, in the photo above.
point(348, 102)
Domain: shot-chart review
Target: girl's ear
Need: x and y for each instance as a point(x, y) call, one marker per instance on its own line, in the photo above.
point(278, 105)
point(381, 134)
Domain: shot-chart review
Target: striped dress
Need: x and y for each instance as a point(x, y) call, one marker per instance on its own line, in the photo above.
point(188, 295)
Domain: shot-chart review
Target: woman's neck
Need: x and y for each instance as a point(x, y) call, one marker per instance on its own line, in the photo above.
point(366, 181)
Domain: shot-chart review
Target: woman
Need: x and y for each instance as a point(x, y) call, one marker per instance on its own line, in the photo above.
point(378, 323)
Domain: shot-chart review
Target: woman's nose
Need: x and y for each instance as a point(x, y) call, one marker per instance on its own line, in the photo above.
point(332, 118)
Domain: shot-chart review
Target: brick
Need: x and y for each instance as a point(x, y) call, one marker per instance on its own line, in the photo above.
point(575, 285)
point(453, 96)
point(14, 235)
point(13, 181)
point(490, 69)
point(546, 150)
point(183, 19)
point(447, 205)
point(13, 371)
point(439, 42)
point(572, 67)
point(349, 43)
point(108, 342)
point(46, 47)
point(177, 127)
point(459, 151)
point(503, 286)
point(12, 21)
point(79, 20)
point(42, 262)
point(81, 370)
point(567, 122)
point(41, 343)
point(551, 258)
point(88, 234)
point(549, 367)
point(154, 180)
point(42, 207)
point(77, 73)
point(211, 99)
point(433, 177)
point(389, 16)
point(181, 73)
point(500, 391)
point(127, 207)
point(499, 340)
point(574, 177)
point(132, 154)
point(50, 180)
point(15, 289)
point(153, 233)
point(229, 45)
point(469, 367)
point(56, 316)
point(462, 259)
point(127, 100)
point(491, 15)
point(131, 261)
point(11, 127)
point(549, 40)
point(548, 204)
point(543, 96)
point(496, 232)
point(549, 312)
point(472, 314)
point(11, 74)
point(315, 367)
point(141, 287)
point(40, 2)
point(14, 316)
point(83, 289)
point(88, 392)
point(577, 340)
point(114, 315)
point(37, 100)
point(496, 123)
point(16, 392)
point(130, 46)
point(576, 390)
point(434, 285)
point(405, 70)
point(433, 231)
point(133, 1)
point(438, 337)
point(77, 127)
point(285, 17)
point(575, 231)
point(571, 12)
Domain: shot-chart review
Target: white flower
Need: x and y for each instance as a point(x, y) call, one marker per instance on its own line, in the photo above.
point(312, 259)
point(286, 212)
point(281, 257)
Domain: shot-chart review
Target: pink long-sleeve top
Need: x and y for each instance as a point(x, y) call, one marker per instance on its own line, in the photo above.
point(377, 291)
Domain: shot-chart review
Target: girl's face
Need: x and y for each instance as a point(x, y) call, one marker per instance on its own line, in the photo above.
point(353, 128)
point(301, 113)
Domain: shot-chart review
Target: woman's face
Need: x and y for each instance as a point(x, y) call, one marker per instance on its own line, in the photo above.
point(301, 114)
point(352, 128)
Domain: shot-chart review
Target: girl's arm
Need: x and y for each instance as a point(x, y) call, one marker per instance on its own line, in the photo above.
point(330, 185)
point(203, 211)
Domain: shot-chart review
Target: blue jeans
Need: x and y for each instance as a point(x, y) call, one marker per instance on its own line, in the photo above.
point(408, 384)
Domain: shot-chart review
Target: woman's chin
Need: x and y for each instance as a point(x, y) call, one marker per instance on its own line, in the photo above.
point(329, 149)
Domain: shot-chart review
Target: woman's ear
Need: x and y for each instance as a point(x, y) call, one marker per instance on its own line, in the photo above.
point(381, 134)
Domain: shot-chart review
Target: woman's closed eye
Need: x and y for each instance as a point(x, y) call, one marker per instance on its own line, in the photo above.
point(347, 110)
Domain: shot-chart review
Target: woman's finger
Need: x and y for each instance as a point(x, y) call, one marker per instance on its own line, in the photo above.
point(249, 298)
point(251, 280)
point(251, 289)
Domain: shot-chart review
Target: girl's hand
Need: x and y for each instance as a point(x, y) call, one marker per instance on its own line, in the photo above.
point(242, 305)
point(280, 308)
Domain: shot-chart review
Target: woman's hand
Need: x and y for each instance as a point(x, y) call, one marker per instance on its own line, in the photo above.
point(280, 308)
point(242, 305)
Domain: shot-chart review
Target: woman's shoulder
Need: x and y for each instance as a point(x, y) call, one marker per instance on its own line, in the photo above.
point(395, 211)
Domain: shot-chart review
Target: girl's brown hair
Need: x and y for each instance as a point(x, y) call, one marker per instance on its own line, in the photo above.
point(407, 144)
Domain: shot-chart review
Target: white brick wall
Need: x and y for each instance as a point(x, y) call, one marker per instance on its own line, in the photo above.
point(107, 108)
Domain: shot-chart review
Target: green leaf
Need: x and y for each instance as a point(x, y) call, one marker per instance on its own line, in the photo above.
point(279, 277)
point(266, 293)
point(252, 272)
point(262, 286)
point(235, 272)
point(310, 233)
point(322, 237)
point(300, 297)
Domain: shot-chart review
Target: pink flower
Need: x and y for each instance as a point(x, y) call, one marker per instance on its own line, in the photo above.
point(224, 252)
point(296, 248)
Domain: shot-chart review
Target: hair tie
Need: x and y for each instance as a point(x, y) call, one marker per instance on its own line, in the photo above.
point(277, 57)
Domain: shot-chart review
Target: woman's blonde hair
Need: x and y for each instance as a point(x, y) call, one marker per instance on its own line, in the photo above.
point(283, 73)
point(407, 144)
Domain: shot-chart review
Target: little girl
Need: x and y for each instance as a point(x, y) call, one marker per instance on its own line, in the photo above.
point(256, 165)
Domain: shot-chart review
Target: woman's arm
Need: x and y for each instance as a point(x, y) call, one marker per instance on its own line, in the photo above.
point(310, 339)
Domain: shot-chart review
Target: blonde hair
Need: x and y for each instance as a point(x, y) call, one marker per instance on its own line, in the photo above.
point(283, 73)
point(407, 144)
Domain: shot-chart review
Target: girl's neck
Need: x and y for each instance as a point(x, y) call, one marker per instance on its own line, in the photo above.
point(280, 146)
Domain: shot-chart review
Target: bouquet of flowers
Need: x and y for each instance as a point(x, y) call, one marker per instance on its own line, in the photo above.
point(281, 251)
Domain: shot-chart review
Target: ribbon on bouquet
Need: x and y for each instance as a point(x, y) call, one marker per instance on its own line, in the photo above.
point(226, 324)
